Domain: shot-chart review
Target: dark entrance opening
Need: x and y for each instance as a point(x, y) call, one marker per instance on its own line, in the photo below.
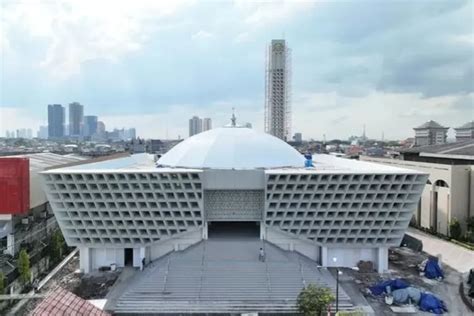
point(128, 256)
point(233, 229)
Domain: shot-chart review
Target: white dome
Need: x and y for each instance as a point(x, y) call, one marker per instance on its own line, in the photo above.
point(232, 148)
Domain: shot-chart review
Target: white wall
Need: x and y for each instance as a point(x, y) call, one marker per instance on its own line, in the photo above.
point(286, 242)
point(176, 244)
point(425, 206)
point(454, 201)
point(443, 210)
point(37, 195)
point(233, 180)
point(346, 257)
point(93, 258)
point(349, 257)
point(101, 257)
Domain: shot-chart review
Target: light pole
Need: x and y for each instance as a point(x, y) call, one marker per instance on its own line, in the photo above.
point(334, 259)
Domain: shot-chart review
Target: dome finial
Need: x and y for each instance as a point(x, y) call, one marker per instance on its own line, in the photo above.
point(233, 119)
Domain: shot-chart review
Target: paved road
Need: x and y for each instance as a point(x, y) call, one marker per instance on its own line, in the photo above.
point(457, 257)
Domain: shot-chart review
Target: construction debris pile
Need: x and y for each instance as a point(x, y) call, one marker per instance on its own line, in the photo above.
point(431, 268)
point(399, 292)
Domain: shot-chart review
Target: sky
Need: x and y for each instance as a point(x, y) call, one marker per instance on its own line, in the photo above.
point(150, 64)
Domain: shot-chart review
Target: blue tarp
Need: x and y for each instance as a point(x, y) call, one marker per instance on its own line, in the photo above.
point(432, 304)
point(392, 285)
point(432, 269)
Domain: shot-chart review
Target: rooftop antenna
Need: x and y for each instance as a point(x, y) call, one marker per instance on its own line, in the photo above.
point(233, 119)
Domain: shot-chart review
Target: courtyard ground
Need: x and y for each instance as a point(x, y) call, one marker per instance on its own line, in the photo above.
point(402, 264)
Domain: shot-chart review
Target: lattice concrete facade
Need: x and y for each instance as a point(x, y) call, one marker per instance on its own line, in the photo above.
point(342, 209)
point(350, 210)
point(126, 209)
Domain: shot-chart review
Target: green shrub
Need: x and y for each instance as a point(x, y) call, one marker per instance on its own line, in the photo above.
point(455, 230)
point(470, 229)
point(2, 283)
point(314, 300)
point(350, 313)
point(24, 267)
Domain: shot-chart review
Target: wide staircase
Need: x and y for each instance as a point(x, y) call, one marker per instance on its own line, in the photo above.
point(224, 276)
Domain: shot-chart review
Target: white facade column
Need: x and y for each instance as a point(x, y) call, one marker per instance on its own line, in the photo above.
point(382, 259)
point(263, 231)
point(324, 256)
point(85, 259)
point(10, 244)
point(204, 231)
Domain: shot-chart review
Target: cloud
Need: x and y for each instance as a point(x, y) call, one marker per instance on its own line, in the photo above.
point(264, 14)
point(202, 35)
point(242, 37)
point(12, 119)
point(395, 114)
point(392, 67)
point(77, 31)
point(173, 122)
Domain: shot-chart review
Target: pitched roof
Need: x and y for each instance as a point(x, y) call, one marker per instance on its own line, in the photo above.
point(63, 302)
point(465, 148)
point(466, 126)
point(431, 124)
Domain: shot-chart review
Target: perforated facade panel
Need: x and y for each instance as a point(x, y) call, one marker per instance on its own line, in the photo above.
point(348, 209)
point(117, 208)
point(234, 205)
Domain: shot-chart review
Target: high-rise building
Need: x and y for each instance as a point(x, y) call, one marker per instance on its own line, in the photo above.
point(195, 125)
point(42, 132)
point(100, 127)
point(206, 124)
point(298, 137)
point(56, 117)
point(430, 133)
point(90, 125)
point(29, 133)
point(131, 133)
point(277, 90)
point(24, 133)
point(76, 118)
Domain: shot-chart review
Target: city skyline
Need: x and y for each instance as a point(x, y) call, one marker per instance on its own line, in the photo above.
point(389, 74)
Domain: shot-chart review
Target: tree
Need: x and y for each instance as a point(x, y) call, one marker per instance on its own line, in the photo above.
point(24, 267)
point(56, 246)
point(313, 300)
point(470, 229)
point(2, 283)
point(455, 229)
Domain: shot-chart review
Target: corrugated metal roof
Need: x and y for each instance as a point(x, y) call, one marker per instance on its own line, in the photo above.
point(42, 161)
point(465, 148)
point(468, 125)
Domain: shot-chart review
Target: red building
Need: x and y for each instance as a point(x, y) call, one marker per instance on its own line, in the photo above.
point(14, 185)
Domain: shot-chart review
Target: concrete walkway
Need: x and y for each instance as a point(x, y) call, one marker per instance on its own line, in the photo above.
point(457, 257)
